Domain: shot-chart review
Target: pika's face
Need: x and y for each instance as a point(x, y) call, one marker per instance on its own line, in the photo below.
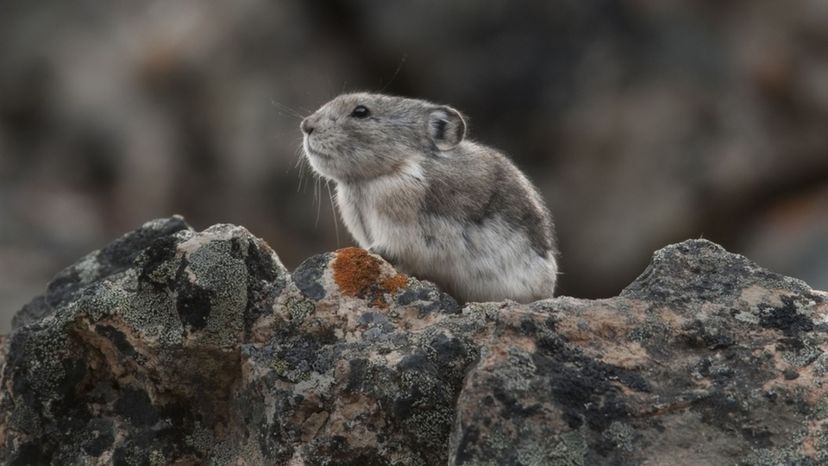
point(358, 137)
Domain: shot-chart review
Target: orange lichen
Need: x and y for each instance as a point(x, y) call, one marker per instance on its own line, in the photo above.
point(392, 284)
point(358, 274)
point(355, 270)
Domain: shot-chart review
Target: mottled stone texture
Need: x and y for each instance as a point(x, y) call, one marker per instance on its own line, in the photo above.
point(176, 347)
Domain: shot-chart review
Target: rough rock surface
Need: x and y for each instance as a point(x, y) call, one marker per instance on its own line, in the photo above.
point(175, 347)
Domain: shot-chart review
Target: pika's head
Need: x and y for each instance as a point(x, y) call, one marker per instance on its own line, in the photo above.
point(358, 137)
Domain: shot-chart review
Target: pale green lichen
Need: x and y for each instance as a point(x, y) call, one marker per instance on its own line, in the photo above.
point(431, 426)
point(791, 452)
point(88, 267)
point(25, 419)
point(200, 438)
point(164, 272)
point(283, 369)
point(649, 331)
point(485, 311)
point(568, 449)
point(747, 317)
point(214, 267)
point(820, 411)
point(299, 309)
point(280, 366)
point(806, 354)
point(519, 371)
point(820, 365)
point(154, 315)
point(621, 435)
point(110, 298)
point(157, 458)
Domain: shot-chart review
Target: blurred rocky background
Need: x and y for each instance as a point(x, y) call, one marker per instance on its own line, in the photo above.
point(643, 122)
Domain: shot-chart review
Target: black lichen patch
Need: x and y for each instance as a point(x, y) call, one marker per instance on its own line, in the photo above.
point(193, 304)
point(33, 311)
point(117, 338)
point(452, 352)
point(416, 361)
point(121, 253)
point(554, 346)
point(135, 405)
point(121, 457)
point(696, 334)
point(101, 437)
point(413, 294)
point(155, 262)
point(723, 410)
point(785, 318)
point(428, 299)
point(265, 282)
point(585, 395)
point(63, 287)
point(308, 275)
point(528, 327)
point(582, 387)
point(74, 373)
point(260, 264)
point(357, 374)
point(512, 407)
point(65, 395)
point(31, 454)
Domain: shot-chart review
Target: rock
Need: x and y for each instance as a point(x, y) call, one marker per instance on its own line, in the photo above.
point(176, 347)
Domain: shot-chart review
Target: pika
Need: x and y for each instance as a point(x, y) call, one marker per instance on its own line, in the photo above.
point(411, 187)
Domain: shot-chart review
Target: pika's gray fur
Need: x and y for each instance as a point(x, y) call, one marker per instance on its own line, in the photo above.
point(411, 187)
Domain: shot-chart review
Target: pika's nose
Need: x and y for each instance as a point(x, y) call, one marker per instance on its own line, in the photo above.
point(307, 126)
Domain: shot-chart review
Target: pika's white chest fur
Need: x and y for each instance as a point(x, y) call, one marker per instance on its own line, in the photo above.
point(383, 213)
point(488, 261)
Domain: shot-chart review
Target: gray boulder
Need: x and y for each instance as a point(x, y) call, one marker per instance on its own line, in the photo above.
point(171, 346)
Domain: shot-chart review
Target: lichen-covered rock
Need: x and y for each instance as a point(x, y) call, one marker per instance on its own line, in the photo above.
point(705, 359)
point(132, 354)
point(176, 347)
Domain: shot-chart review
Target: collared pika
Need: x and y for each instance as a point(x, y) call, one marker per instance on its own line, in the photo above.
point(412, 188)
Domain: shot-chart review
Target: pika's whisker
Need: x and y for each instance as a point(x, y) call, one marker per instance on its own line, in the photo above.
point(317, 194)
point(300, 164)
point(396, 72)
point(333, 212)
point(291, 111)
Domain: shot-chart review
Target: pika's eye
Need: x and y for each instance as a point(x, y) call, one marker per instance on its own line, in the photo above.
point(361, 111)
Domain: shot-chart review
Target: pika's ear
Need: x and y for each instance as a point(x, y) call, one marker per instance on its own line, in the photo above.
point(446, 127)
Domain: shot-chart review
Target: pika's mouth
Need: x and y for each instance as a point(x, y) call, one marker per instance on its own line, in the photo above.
point(311, 151)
